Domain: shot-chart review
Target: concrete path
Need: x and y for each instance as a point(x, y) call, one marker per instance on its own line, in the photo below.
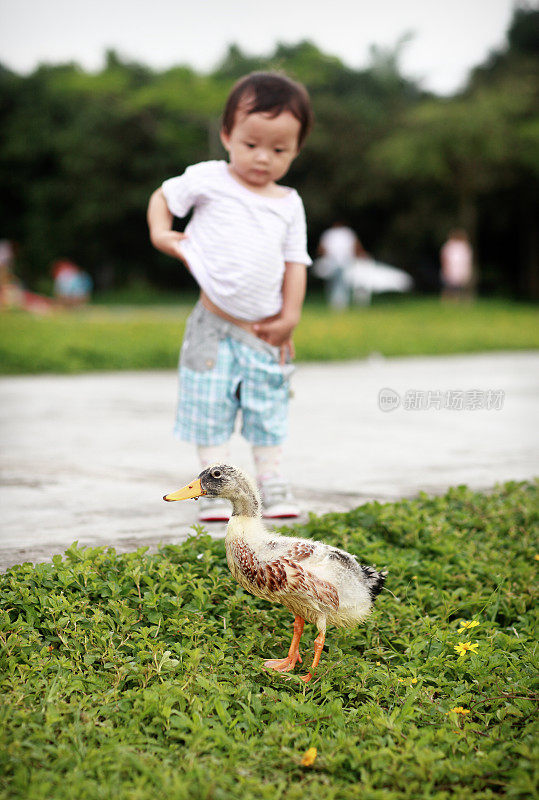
point(89, 457)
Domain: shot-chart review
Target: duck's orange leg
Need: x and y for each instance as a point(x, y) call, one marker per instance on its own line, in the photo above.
point(318, 647)
point(288, 663)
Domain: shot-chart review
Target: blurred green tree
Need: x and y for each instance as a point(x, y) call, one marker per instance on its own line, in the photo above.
point(81, 152)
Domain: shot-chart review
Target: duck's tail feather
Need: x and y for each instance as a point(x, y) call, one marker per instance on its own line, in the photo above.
point(375, 580)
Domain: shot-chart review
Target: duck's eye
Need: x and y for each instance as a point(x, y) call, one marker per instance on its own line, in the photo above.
point(216, 473)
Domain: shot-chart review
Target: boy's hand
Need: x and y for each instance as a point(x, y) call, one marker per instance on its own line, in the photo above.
point(278, 332)
point(288, 352)
point(169, 242)
point(160, 222)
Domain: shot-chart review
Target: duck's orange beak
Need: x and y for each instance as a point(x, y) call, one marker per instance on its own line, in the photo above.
point(193, 489)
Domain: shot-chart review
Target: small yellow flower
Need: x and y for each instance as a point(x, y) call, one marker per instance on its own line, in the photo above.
point(463, 647)
point(465, 626)
point(309, 757)
point(378, 664)
point(536, 556)
point(459, 710)
point(414, 680)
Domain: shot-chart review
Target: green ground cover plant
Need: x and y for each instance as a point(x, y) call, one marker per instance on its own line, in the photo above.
point(139, 675)
point(110, 338)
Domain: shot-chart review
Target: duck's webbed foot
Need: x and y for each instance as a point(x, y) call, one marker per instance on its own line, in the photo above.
point(283, 664)
point(318, 647)
point(288, 663)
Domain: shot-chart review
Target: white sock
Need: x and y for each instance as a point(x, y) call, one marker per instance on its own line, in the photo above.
point(268, 462)
point(213, 454)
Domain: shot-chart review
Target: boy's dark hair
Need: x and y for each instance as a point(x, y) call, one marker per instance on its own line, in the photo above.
point(273, 92)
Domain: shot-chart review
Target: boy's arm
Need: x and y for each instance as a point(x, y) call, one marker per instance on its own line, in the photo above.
point(160, 224)
point(278, 330)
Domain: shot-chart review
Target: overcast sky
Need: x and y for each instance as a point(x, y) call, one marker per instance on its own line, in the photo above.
point(450, 36)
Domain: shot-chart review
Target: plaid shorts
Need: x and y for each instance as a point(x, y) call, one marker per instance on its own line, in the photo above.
point(224, 370)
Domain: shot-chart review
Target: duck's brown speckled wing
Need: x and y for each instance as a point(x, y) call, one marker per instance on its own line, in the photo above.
point(268, 575)
point(300, 550)
point(282, 577)
point(303, 582)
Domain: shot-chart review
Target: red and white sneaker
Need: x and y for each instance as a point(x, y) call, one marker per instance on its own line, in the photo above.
point(277, 500)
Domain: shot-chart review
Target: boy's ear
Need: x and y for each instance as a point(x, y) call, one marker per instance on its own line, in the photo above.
point(225, 139)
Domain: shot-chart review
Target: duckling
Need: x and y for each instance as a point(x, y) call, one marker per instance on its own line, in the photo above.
point(318, 583)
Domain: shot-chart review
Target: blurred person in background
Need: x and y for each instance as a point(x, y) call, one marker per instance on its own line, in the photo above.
point(338, 248)
point(456, 258)
point(72, 286)
point(12, 291)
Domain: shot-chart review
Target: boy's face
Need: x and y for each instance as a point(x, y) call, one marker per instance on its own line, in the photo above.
point(261, 147)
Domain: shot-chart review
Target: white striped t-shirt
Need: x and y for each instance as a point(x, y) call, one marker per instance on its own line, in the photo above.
point(237, 240)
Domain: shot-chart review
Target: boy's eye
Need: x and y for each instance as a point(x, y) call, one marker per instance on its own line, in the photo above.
point(249, 144)
point(279, 149)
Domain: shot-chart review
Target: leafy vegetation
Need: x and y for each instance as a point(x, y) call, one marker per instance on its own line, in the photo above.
point(81, 153)
point(138, 675)
point(103, 338)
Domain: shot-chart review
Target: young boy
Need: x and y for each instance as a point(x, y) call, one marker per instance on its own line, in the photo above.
point(246, 247)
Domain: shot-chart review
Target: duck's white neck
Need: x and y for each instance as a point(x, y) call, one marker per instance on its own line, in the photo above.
point(245, 528)
point(246, 521)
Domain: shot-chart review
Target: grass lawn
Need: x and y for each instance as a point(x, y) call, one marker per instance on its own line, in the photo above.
point(114, 337)
point(139, 676)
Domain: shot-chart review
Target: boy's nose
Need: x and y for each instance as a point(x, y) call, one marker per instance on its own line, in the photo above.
point(262, 156)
